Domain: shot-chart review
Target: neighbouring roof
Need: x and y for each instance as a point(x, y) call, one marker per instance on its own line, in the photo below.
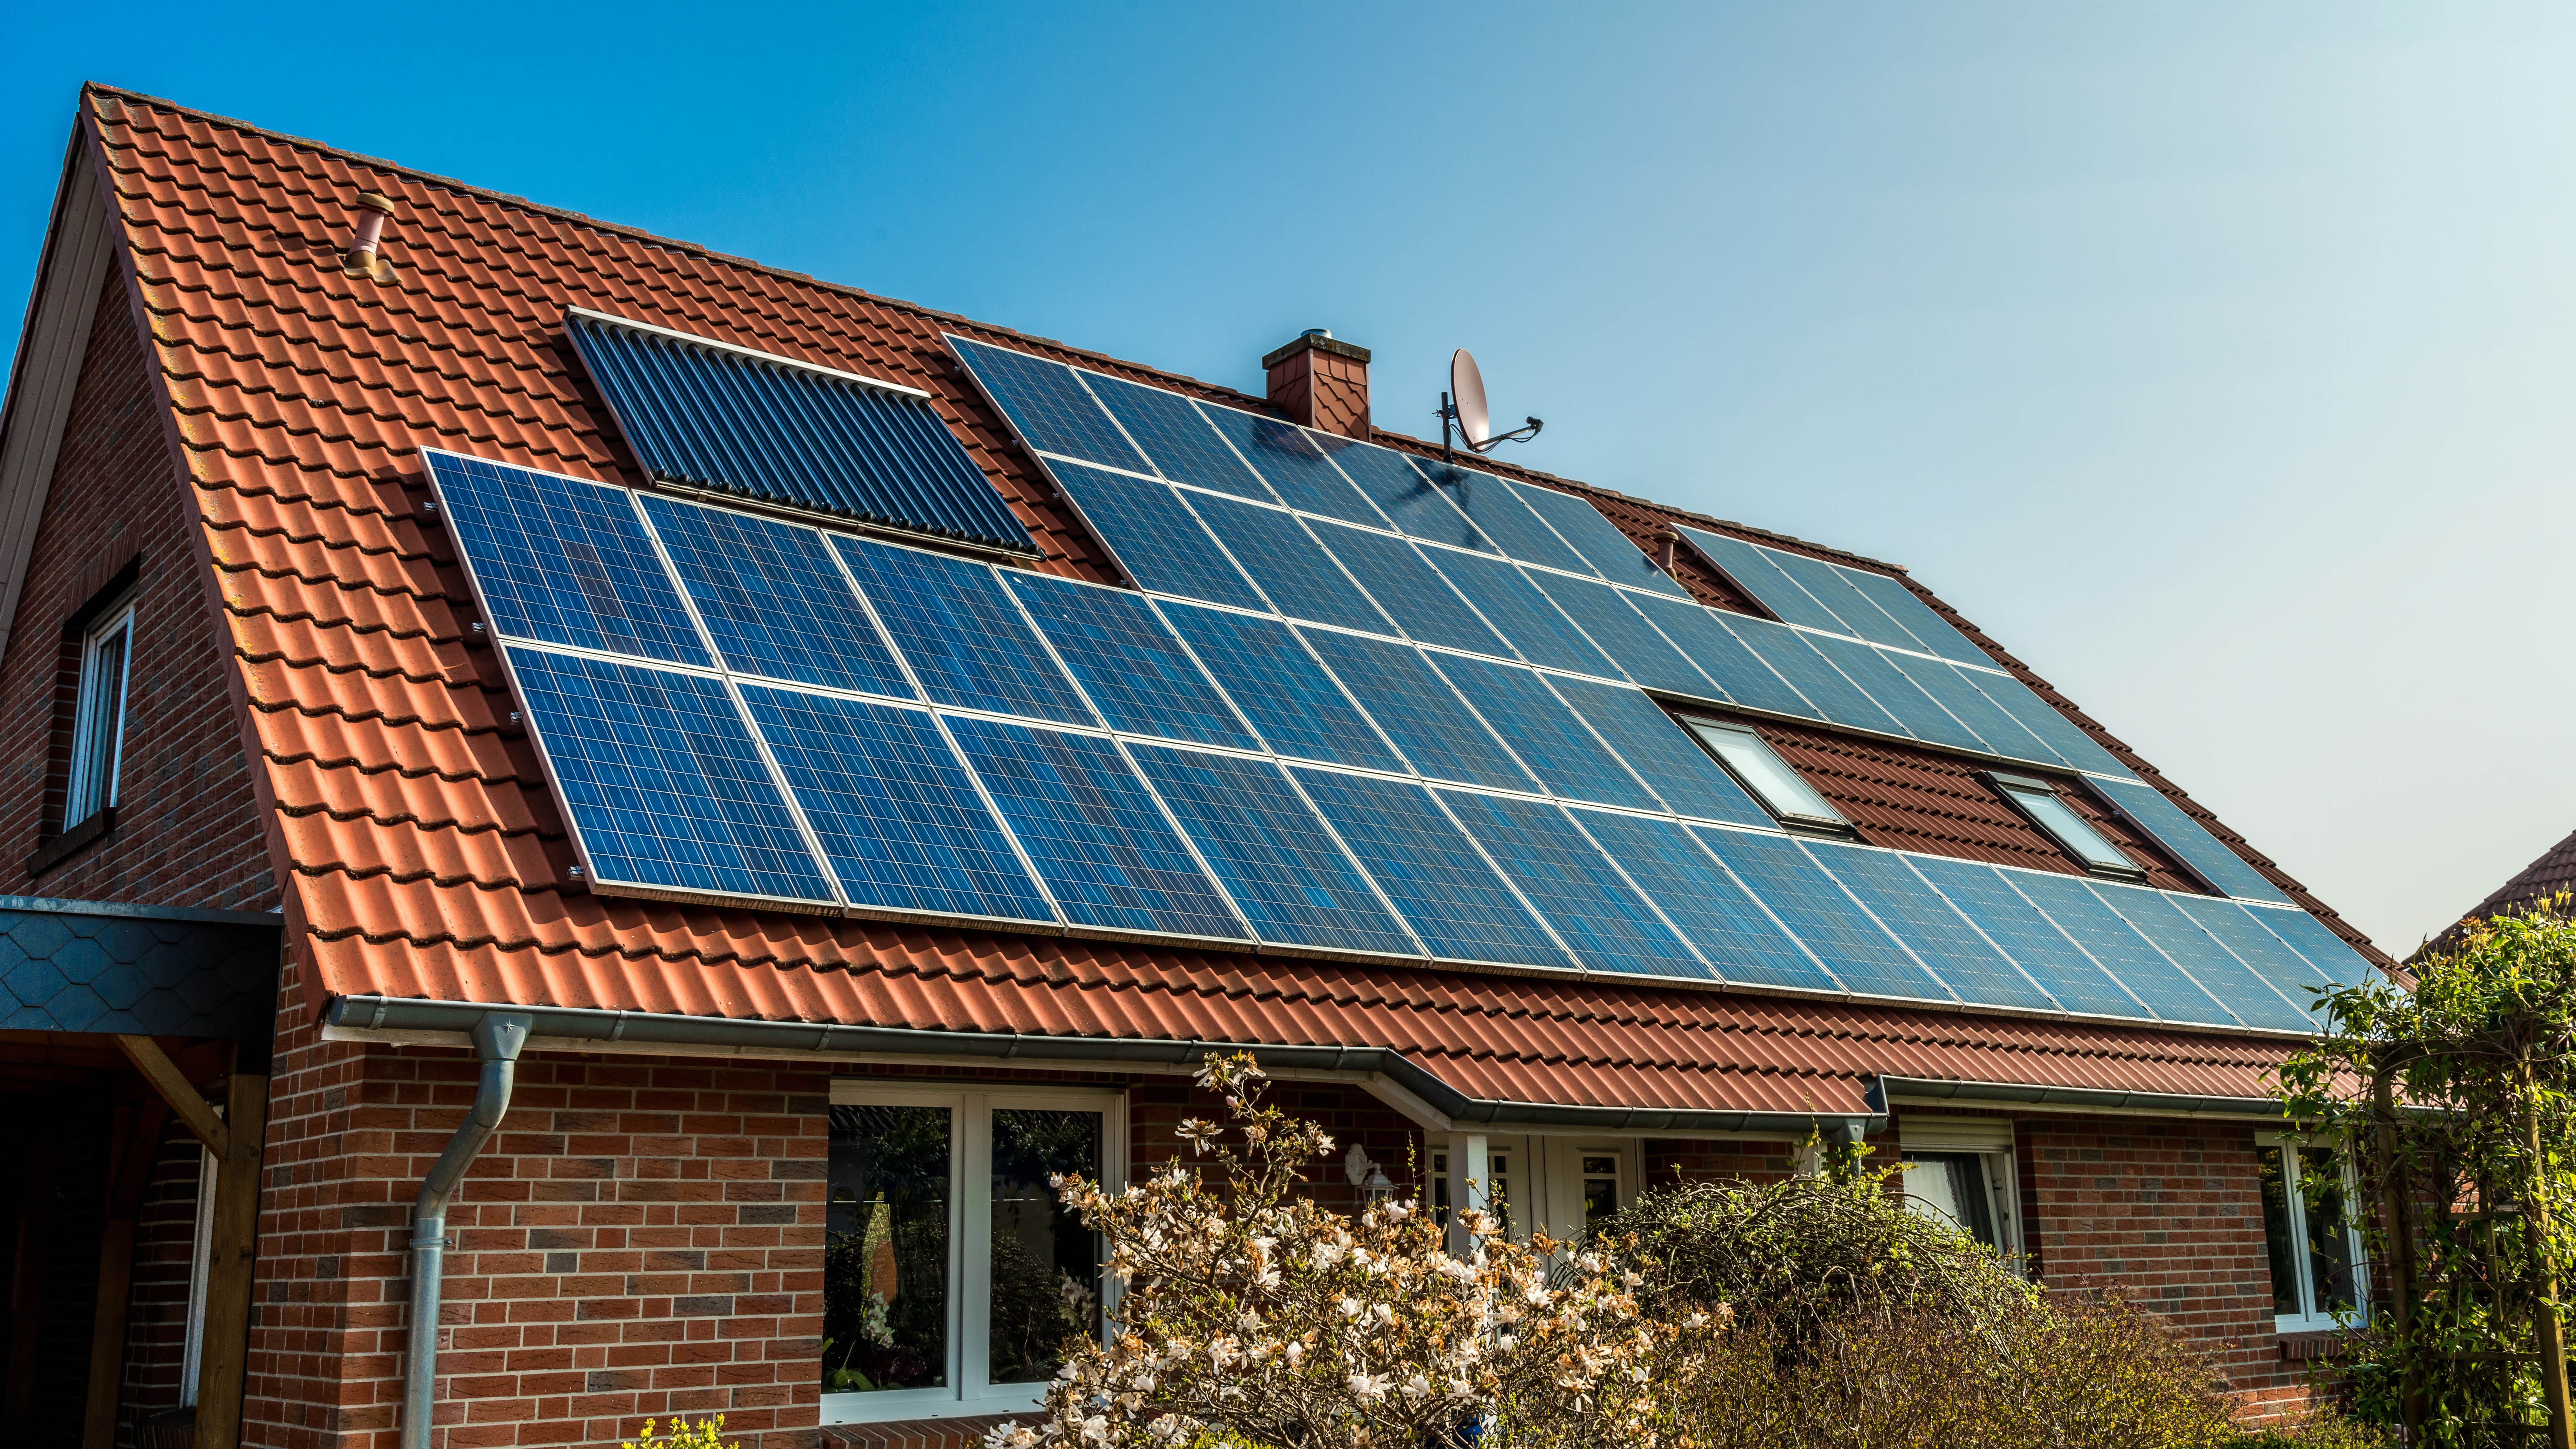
point(2554, 872)
point(424, 855)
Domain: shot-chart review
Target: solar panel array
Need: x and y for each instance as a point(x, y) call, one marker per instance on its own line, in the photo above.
point(740, 709)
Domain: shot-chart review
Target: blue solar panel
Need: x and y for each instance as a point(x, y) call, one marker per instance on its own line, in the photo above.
point(1825, 584)
point(562, 561)
point(1574, 887)
point(1419, 711)
point(1548, 737)
point(1618, 630)
point(1737, 936)
point(2061, 968)
point(1442, 887)
point(1756, 570)
point(1610, 552)
point(2324, 950)
point(1294, 705)
point(1403, 494)
point(899, 818)
point(2287, 970)
point(1301, 579)
point(1521, 612)
point(662, 780)
point(2208, 857)
point(1157, 541)
point(1417, 599)
point(959, 630)
point(2003, 734)
point(1047, 403)
point(1923, 920)
point(2063, 736)
point(1131, 665)
point(1736, 670)
point(1099, 841)
point(1283, 868)
point(2130, 958)
point(1901, 604)
point(1288, 460)
point(1818, 911)
point(2253, 1000)
point(1495, 507)
point(1920, 714)
point(774, 600)
point(1180, 442)
point(1789, 653)
point(1674, 767)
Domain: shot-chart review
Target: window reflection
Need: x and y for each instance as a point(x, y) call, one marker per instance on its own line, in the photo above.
point(2276, 1232)
point(2329, 1230)
point(885, 1257)
point(1046, 1265)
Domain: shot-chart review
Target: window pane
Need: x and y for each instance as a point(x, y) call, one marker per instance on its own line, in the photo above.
point(1781, 789)
point(885, 1259)
point(1950, 1189)
point(2059, 819)
point(1600, 1189)
point(100, 725)
point(2276, 1233)
point(2329, 1229)
point(1046, 1265)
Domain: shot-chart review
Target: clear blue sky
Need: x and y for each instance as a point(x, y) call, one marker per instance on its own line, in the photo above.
point(2216, 358)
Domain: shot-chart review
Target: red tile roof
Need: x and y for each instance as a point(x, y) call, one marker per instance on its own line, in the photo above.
point(2554, 872)
point(424, 853)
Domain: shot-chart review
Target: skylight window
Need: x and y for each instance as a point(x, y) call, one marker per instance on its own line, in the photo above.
point(2044, 807)
point(1782, 790)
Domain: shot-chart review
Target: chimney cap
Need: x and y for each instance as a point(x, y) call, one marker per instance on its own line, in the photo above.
point(1319, 339)
point(372, 202)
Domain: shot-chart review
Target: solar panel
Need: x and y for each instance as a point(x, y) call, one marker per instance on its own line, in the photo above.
point(1735, 669)
point(1101, 844)
point(1129, 662)
point(2184, 837)
point(1739, 938)
point(1794, 658)
point(1756, 570)
point(1548, 737)
point(1689, 781)
point(1825, 583)
point(2324, 950)
point(1402, 493)
point(1610, 552)
point(1493, 506)
point(2168, 992)
point(1048, 405)
point(1419, 711)
point(2247, 995)
point(1520, 612)
point(2027, 935)
point(1905, 607)
point(1618, 630)
point(1302, 580)
point(1157, 540)
point(1920, 714)
point(1179, 442)
point(1419, 600)
point(1286, 872)
point(1288, 460)
point(1924, 920)
point(662, 782)
point(1442, 886)
point(561, 561)
point(2064, 738)
point(2288, 972)
point(1817, 911)
point(899, 819)
point(960, 632)
point(1575, 887)
point(2003, 734)
point(1274, 683)
point(775, 602)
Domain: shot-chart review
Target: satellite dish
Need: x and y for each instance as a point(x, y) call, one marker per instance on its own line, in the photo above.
point(1463, 407)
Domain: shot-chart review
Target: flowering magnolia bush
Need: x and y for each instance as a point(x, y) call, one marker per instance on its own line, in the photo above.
point(1252, 1316)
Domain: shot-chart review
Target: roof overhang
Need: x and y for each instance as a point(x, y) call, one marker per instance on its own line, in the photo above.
point(1886, 1093)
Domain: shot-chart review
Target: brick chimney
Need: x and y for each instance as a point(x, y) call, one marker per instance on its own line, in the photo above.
point(1321, 383)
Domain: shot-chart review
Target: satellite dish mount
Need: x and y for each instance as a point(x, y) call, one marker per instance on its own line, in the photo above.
point(1462, 409)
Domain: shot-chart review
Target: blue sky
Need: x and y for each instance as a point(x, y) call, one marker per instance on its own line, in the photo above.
point(2212, 357)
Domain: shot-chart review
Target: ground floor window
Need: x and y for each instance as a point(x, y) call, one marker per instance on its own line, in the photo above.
point(1960, 1171)
point(2309, 1233)
point(952, 1276)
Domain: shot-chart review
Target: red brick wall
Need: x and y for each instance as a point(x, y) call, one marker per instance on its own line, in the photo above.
point(1721, 1161)
point(188, 831)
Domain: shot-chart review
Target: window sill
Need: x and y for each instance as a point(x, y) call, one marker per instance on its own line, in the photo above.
point(54, 850)
point(2308, 1345)
point(963, 1433)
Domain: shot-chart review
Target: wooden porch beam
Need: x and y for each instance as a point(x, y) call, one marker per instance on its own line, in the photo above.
point(178, 1091)
point(129, 1174)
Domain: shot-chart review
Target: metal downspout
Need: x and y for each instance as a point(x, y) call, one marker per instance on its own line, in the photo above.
point(497, 1039)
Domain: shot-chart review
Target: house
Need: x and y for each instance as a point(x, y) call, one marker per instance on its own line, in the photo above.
point(2553, 874)
point(751, 776)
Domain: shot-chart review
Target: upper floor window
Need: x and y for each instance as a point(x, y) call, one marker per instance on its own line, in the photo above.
point(2310, 1233)
point(2039, 802)
point(98, 720)
point(1782, 790)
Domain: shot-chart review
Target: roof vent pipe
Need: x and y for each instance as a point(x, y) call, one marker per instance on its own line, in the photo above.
point(360, 259)
point(497, 1038)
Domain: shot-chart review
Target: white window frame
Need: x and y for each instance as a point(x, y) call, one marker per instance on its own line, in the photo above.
point(1990, 1141)
point(86, 795)
point(1544, 1184)
point(1790, 797)
point(2316, 1318)
point(970, 1237)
